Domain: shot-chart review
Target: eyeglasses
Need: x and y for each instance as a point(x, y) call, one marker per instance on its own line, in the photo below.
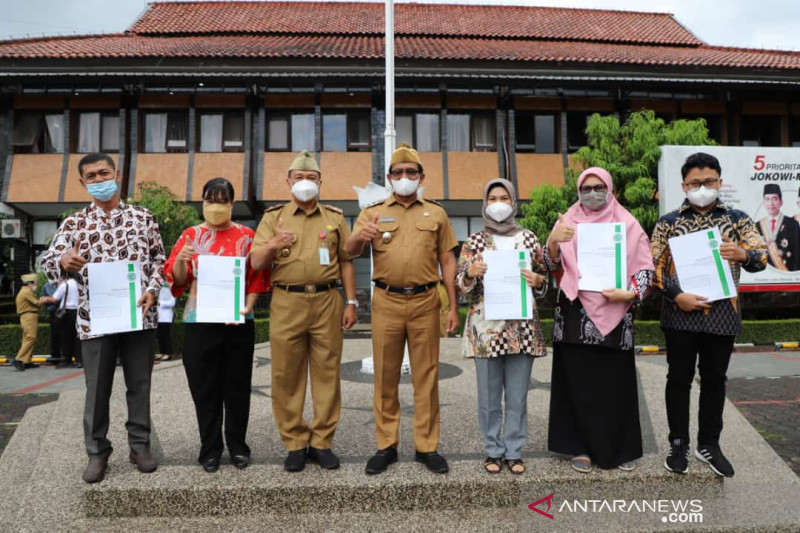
point(412, 173)
point(710, 183)
point(586, 189)
point(315, 179)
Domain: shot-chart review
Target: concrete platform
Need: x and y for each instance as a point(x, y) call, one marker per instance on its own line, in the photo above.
point(45, 458)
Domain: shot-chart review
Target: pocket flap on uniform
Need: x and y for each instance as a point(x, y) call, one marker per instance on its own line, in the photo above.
point(427, 225)
point(387, 226)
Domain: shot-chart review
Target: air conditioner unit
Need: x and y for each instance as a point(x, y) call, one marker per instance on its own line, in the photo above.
point(11, 228)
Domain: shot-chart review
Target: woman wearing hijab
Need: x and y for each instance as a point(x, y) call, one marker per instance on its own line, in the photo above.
point(594, 406)
point(503, 349)
point(218, 358)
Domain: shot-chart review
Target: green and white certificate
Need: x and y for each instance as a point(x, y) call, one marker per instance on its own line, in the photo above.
point(700, 267)
point(114, 291)
point(602, 256)
point(220, 288)
point(506, 294)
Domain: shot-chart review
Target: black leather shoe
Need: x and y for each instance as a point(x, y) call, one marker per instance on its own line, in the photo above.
point(31, 365)
point(325, 458)
point(144, 462)
point(435, 462)
point(211, 465)
point(295, 461)
point(381, 460)
point(240, 461)
point(19, 366)
point(95, 470)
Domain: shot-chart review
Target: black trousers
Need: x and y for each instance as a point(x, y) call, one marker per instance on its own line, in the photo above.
point(684, 348)
point(55, 331)
point(219, 366)
point(70, 344)
point(164, 339)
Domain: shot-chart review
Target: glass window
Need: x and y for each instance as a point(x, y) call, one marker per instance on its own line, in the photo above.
point(457, 133)
point(460, 228)
point(222, 132)
point(278, 133)
point(109, 133)
point(420, 130)
point(761, 130)
point(483, 133)
point(404, 127)
point(166, 132)
point(97, 132)
point(358, 131)
point(794, 131)
point(535, 133)
point(302, 133)
point(334, 132)
point(38, 133)
point(576, 129)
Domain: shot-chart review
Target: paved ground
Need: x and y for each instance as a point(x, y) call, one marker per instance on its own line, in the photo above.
point(765, 386)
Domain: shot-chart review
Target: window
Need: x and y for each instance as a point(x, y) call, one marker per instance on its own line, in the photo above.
point(761, 130)
point(97, 132)
point(420, 130)
point(38, 133)
point(471, 132)
point(713, 124)
point(346, 131)
point(290, 132)
point(794, 131)
point(576, 130)
point(536, 133)
point(222, 131)
point(166, 132)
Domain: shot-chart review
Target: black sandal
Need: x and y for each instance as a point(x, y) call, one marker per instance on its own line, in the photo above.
point(493, 461)
point(511, 463)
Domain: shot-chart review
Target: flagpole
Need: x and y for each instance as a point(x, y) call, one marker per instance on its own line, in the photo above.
point(389, 135)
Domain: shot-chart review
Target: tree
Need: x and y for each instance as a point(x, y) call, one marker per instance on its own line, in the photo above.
point(630, 152)
point(539, 216)
point(172, 216)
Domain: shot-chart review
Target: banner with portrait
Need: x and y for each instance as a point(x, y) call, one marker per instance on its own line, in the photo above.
point(762, 182)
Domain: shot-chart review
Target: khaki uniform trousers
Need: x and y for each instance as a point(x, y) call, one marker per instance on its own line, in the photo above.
point(30, 323)
point(306, 330)
point(395, 318)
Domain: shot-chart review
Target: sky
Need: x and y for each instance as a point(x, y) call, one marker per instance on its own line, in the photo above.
point(770, 24)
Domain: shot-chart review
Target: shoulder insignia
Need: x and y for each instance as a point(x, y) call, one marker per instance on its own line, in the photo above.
point(274, 208)
point(333, 208)
point(434, 202)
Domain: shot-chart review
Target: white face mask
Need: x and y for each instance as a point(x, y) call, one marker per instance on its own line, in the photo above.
point(305, 190)
point(405, 186)
point(498, 211)
point(702, 197)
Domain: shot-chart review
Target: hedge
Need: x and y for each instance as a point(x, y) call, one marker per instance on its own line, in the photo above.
point(11, 337)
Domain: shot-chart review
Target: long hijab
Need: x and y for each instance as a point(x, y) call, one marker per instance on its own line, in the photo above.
point(605, 315)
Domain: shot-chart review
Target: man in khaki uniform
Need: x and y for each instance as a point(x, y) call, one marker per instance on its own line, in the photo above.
point(411, 238)
point(28, 311)
point(304, 242)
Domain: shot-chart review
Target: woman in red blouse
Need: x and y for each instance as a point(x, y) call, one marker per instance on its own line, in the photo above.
point(218, 358)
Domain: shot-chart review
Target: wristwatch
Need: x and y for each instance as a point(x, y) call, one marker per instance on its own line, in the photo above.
point(352, 302)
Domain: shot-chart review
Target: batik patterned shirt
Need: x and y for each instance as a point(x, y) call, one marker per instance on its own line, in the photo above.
point(724, 316)
point(126, 233)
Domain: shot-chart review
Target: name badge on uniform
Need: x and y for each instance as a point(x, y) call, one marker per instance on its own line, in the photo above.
point(387, 219)
point(324, 256)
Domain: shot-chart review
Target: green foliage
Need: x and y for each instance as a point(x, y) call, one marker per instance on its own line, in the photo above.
point(541, 213)
point(172, 216)
point(630, 152)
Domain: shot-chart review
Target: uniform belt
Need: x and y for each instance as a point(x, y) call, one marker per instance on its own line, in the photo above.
point(408, 291)
point(311, 289)
point(26, 312)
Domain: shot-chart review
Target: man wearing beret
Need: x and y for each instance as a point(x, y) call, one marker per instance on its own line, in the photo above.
point(304, 240)
point(411, 238)
point(782, 233)
point(28, 311)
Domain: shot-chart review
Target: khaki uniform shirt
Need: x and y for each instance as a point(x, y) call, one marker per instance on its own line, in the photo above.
point(26, 301)
point(416, 236)
point(324, 227)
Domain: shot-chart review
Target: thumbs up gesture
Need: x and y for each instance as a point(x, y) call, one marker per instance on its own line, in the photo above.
point(283, 239)
point(562, 232)
point(187, 251)
point(370, 231)
point(478, 267)
point(72, 261)
point(730, 251)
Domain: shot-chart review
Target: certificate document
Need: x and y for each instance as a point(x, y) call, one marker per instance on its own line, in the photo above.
point(114, 291)
point(506, 294)
point(700, 267)
point(220, 288)
point(602, 256)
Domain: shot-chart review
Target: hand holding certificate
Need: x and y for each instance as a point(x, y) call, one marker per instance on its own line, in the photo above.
point(700, 267)
point(114, 290)
point(602, 256)
point(506, 294)
point(220, 289)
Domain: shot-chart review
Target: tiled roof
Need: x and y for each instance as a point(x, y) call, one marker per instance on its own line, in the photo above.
point(357, 18)
point(359, 47)
point(354, 31)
